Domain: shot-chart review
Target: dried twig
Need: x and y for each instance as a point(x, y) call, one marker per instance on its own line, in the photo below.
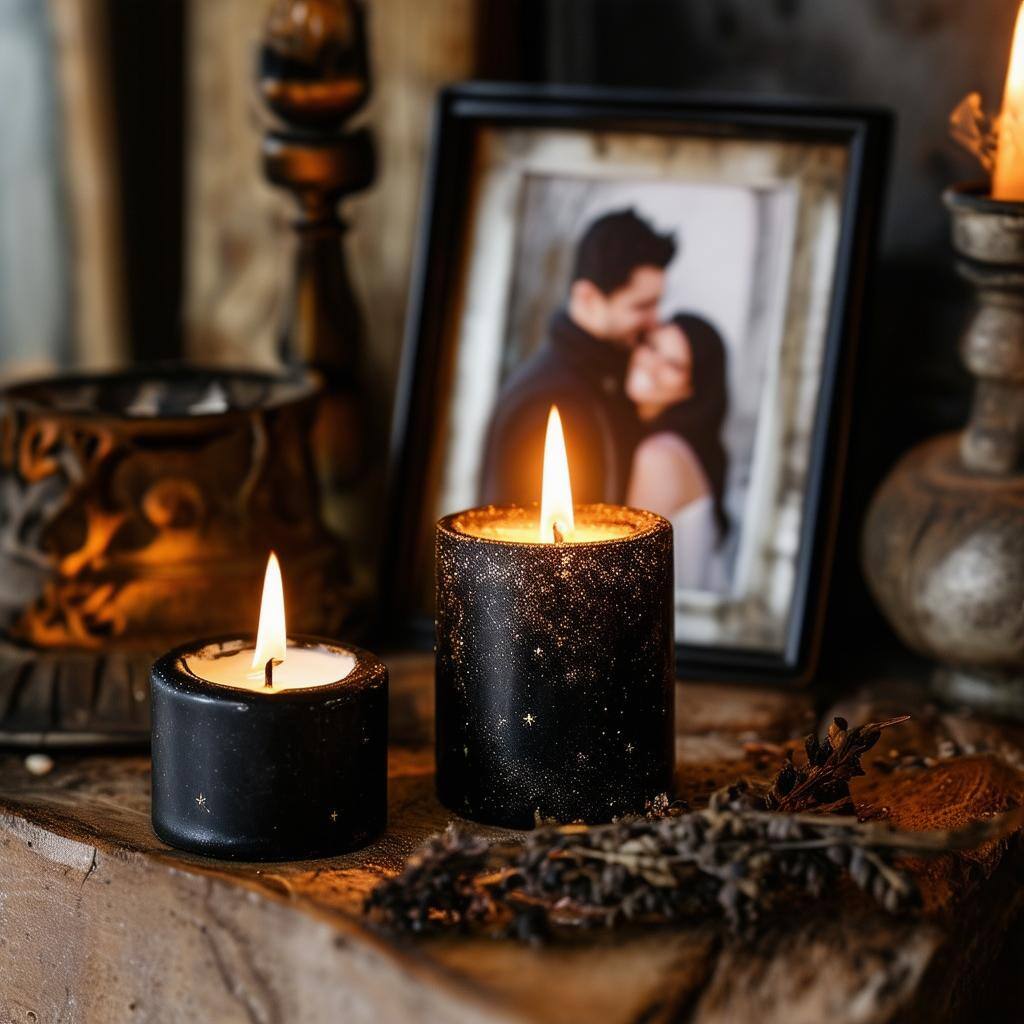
point(730, 858)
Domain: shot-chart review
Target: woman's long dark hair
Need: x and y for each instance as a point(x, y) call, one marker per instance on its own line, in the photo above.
point(698, 420)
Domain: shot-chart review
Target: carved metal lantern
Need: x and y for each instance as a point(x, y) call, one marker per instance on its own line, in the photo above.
point(136, 512)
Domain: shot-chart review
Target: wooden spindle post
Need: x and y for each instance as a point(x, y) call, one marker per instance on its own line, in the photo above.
point(313, 76)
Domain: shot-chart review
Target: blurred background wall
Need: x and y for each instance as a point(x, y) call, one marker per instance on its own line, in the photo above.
point(134, 223)
point(35, 285)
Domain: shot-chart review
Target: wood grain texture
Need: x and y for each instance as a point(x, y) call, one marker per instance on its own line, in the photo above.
point(236, 226)
point(100, 921)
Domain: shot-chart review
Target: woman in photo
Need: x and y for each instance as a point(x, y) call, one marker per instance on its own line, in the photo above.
point(677, 380)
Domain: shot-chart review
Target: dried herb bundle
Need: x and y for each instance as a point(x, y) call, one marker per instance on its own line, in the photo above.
point(739, 857)
point(823, 784)
point(731, 858)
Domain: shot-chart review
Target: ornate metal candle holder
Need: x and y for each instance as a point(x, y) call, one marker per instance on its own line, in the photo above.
point(136, 511)
point(944, 538)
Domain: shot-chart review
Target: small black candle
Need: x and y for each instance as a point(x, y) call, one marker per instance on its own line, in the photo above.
point(555, 660)
point(269, 750)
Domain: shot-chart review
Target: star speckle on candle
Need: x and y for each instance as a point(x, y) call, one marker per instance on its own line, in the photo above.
point(201, 802)
point(538, 651)
point(334, 815)
point(630, 748)
point(529, 718)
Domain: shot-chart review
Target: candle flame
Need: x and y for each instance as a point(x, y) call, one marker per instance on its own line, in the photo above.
point(271, 638)
point(1008, 177)
point(556, 517)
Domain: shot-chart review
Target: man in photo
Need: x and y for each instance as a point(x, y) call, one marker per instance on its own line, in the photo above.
point(617, 285)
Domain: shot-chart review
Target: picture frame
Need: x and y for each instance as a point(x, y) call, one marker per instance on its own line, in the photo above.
point(506, 164)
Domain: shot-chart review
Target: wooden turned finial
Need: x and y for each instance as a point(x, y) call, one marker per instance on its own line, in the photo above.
point(313, 64)
point(313, 76)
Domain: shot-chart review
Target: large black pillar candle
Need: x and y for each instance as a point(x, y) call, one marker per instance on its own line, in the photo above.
point(280, 772)
point(555, 665)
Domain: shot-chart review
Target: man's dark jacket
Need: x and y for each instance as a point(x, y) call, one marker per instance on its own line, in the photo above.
point(584, 377)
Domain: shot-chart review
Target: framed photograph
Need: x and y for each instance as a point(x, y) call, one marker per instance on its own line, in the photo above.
point(682, 279)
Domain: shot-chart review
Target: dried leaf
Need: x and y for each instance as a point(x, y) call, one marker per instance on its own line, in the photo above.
point(824, 782)
point(975, 130)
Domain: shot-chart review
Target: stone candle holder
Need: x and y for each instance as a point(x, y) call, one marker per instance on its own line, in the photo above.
point(944, 537)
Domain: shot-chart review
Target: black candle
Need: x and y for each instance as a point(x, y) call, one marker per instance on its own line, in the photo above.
point(270, 749)
point(555, 681)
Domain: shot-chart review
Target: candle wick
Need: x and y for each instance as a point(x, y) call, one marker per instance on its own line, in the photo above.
point(268, 673)
point(559, 536)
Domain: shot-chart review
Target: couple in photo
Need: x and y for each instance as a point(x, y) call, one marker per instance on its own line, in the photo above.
point(642, 400)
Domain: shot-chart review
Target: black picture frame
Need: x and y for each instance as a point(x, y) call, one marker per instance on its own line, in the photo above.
point(461, 110)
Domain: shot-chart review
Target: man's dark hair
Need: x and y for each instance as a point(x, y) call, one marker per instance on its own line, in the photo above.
point(615, 245)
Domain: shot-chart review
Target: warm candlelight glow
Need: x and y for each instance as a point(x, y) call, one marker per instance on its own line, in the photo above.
point(271, 638)
point(556, 516)
point(1008, 176)
point(275, 666)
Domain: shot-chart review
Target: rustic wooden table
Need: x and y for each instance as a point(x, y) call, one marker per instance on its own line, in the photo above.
point(99, 921)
